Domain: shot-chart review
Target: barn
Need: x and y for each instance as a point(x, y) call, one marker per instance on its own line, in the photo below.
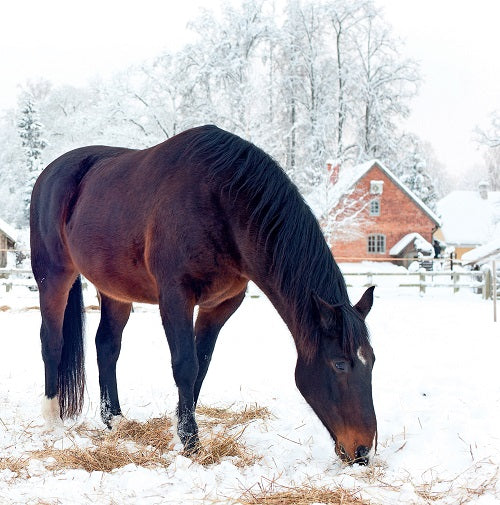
point(7, 241)
point(375, 216)
point(471, 218)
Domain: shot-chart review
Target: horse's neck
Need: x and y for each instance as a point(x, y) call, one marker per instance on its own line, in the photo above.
point(290, 304)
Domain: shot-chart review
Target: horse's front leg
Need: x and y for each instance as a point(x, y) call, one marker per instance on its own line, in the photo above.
point(177, 315)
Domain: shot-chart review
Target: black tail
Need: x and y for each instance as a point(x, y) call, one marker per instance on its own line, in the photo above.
point(71, 372)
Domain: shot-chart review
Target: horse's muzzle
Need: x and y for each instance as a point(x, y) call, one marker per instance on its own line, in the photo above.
point(361, 457)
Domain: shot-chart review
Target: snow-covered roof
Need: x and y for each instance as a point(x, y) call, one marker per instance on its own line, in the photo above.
point(489, 250)
point(468, 219)
point(350, 176)
point(8, 230)
point(420, 244)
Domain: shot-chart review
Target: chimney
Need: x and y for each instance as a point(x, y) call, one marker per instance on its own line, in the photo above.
point(483, 190)
point(333, 167)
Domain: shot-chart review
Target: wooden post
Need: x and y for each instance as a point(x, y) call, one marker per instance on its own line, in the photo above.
point(369, 279)
point(487, 284)
point(494, 274)
point(422, 283)
point(456, 277)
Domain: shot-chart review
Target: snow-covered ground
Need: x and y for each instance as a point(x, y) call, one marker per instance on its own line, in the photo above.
point(436, 393)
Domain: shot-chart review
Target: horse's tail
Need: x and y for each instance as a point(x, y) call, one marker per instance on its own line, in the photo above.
point(71, 372)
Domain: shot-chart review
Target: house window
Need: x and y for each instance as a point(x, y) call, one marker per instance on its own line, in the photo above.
point(375, 207)
point(376, 243)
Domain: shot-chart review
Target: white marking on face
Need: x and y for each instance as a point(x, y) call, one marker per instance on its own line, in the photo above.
point(360, 356)
point(51, 412)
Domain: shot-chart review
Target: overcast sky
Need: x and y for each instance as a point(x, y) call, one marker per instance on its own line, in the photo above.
point(456, 42)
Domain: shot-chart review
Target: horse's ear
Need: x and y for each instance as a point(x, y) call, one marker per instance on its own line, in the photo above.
point(325, 312)
point(365, 303)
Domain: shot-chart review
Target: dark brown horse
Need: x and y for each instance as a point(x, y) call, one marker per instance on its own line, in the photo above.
point(188, 223)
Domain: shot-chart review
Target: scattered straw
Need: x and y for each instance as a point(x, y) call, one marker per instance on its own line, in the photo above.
point(224, 444)
point(15, 465)
point(230, 418)
point(305, 495)
point(154, 433)
point(131, 442)
point(105, 457)
point(146, 444)
point(4, 308)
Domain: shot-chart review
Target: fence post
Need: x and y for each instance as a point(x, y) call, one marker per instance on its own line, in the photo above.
point(486, 283)
point(495, 294)
point(456, 277)
point(369, 279)
point(422, 283)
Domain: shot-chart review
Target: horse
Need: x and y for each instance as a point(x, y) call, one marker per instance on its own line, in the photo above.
point(187, 223)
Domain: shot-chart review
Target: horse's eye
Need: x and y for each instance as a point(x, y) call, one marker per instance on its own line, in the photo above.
point(341, 365)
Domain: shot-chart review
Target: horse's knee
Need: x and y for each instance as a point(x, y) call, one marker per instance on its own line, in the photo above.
point(185, 371)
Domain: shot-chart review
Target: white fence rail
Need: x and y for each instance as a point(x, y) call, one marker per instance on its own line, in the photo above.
point(455, 280)
point(478, 281)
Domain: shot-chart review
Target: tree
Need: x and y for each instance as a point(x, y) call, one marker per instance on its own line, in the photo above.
point(33, 143)
point(386, 83)
point(490, 141)
point(340, 209)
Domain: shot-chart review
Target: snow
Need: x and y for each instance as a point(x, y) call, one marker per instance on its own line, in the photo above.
point(436, 394)
point(420, 244)
point(8, 230)
point(469, 219)
point(483, 252)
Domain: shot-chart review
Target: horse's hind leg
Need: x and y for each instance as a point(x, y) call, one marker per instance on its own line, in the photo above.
point(54, 290)
point(114, 317)
point(208, 325)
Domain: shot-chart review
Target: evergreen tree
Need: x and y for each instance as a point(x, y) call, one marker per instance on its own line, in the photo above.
point(30, 130)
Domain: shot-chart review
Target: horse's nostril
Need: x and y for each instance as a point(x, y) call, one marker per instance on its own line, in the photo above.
point(362, 451)
point(362, 455)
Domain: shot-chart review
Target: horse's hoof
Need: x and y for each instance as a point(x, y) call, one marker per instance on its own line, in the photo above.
point(192, 446)
point(114, 423)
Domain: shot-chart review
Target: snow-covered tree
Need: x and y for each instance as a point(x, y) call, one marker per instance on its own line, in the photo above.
point(312, 81)
point(31, 133)
point(386, 83)
point(341, 209)
point(489, 140)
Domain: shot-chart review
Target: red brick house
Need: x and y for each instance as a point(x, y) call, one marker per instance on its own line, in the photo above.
point(375, 216)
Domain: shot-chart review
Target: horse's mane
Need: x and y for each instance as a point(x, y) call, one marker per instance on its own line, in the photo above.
point(298, 255)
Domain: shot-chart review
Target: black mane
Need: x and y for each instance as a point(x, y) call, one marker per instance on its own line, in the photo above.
point(298, 256)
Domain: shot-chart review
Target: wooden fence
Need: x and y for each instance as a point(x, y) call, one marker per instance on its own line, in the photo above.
point(478, 281)
point(423, 279)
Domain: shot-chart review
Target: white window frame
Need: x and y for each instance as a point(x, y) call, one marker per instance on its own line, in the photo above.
point(375, 207)
point(376, 243)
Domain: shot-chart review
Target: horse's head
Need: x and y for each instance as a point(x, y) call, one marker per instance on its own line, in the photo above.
point(337, 383)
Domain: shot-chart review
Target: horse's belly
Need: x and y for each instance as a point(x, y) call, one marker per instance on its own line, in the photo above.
point(130, 288)
point(222, 292)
